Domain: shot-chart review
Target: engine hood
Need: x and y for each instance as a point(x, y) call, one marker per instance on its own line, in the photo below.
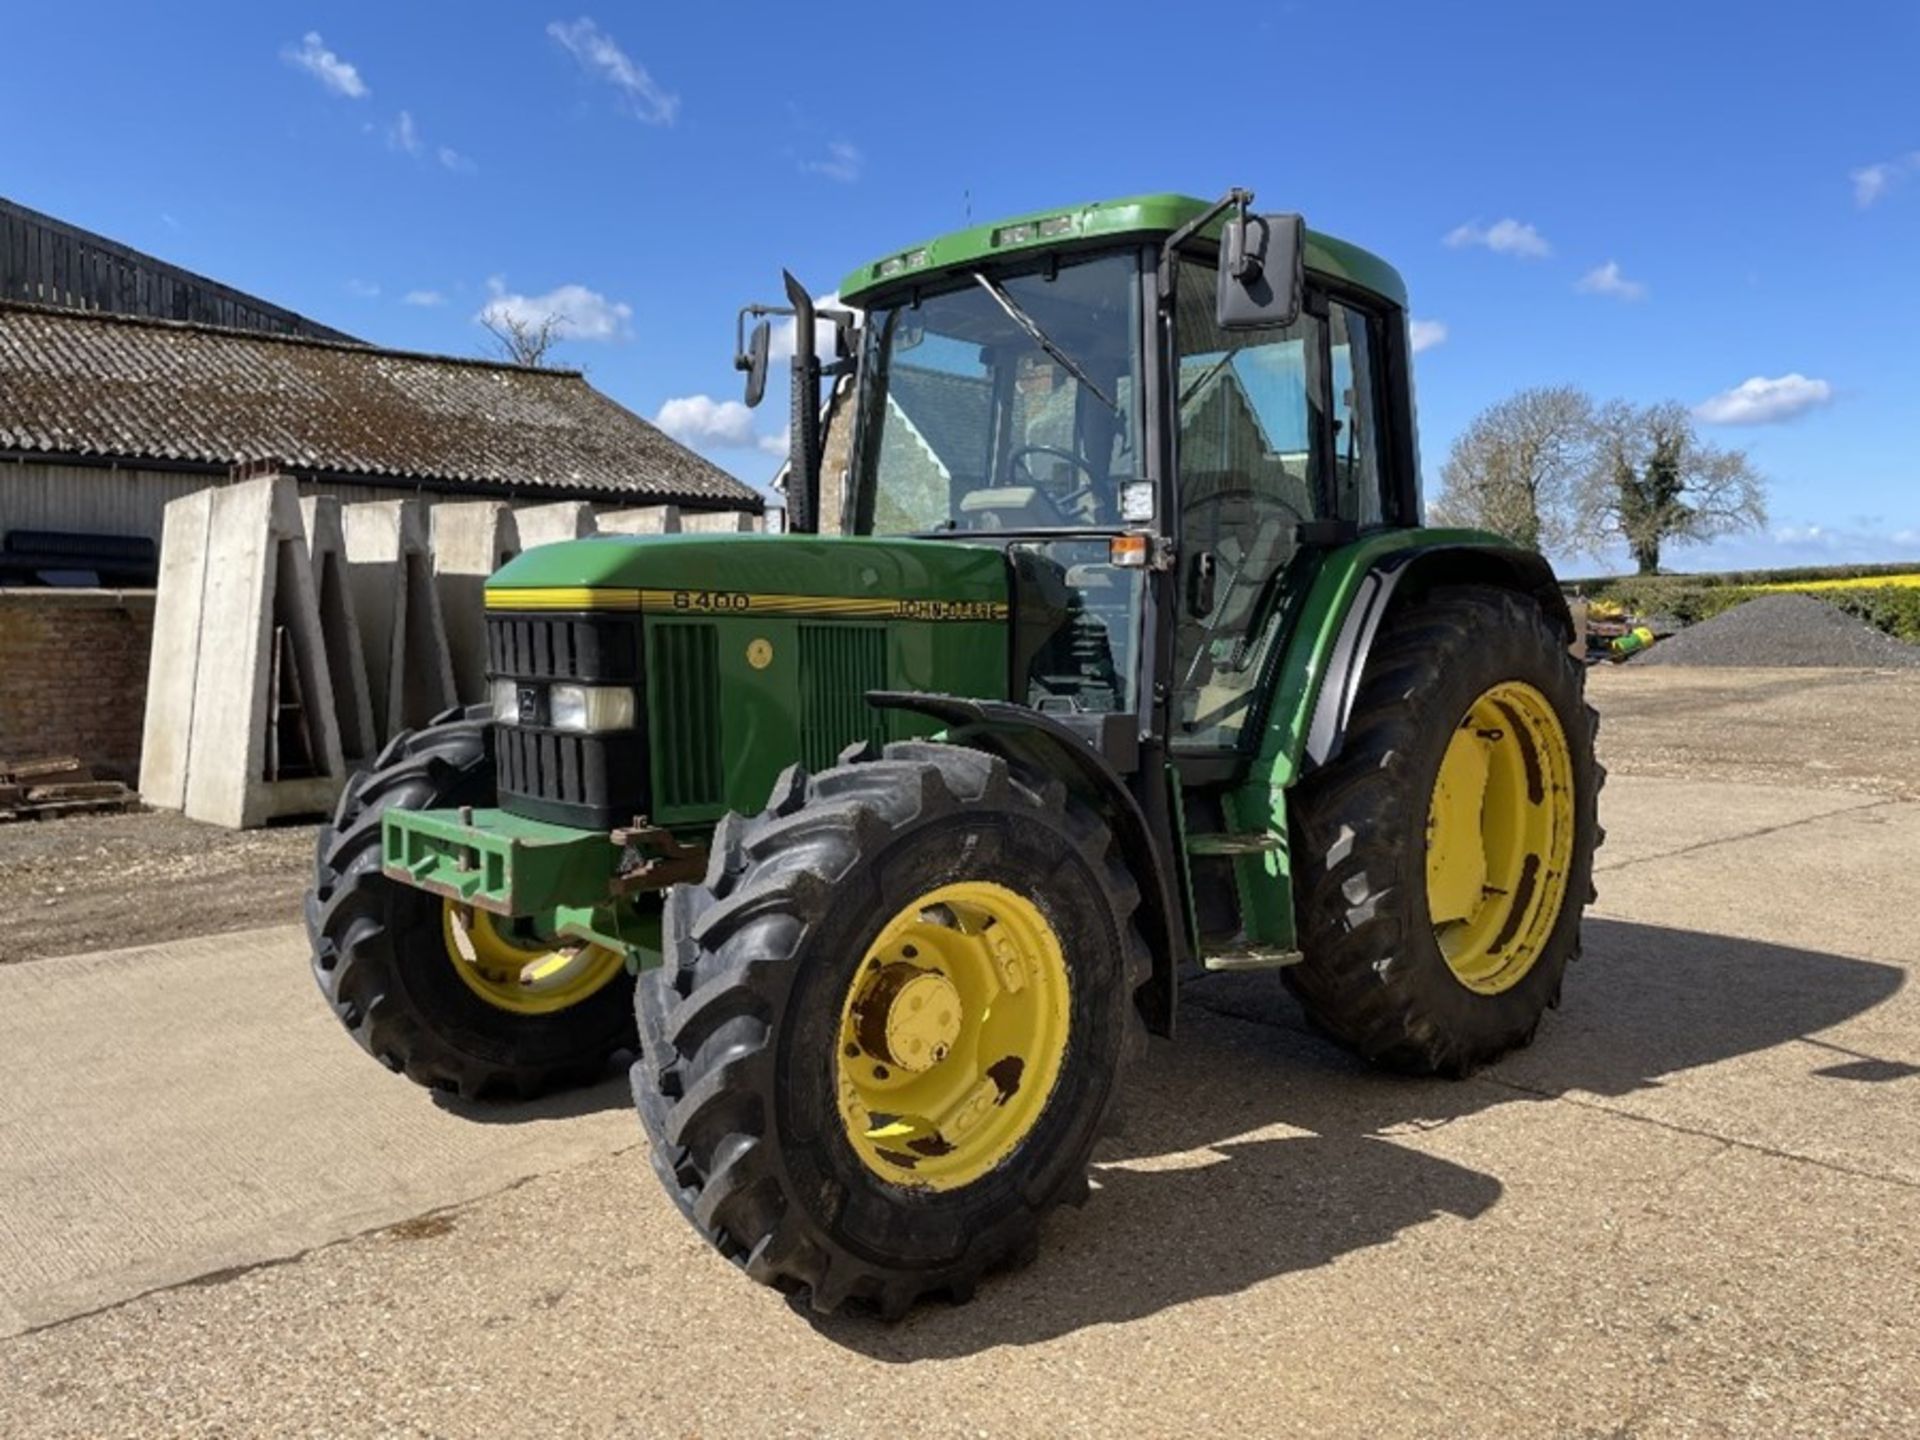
point(749, 574)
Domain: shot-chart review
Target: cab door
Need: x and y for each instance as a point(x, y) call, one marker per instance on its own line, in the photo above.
point(1276, 454)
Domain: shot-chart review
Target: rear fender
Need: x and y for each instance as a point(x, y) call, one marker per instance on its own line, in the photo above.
point(1399, 578)
point(1039, 742)
point(1313, 690)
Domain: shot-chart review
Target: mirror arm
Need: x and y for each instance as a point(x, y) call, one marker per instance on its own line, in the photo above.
point(741, 359)
point(1237, 198)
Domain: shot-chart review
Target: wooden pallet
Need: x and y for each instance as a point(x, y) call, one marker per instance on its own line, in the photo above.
point(42, 788)
point(44, 770)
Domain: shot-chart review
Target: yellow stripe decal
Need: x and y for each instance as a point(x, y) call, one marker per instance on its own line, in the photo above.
point(742, 602)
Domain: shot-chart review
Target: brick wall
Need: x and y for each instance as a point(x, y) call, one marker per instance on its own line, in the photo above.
point(73, 675)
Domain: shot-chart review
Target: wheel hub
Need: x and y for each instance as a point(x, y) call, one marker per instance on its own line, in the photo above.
point(908, 1017)
point(952, 1035)
point(522, 975)
point(1500, 838)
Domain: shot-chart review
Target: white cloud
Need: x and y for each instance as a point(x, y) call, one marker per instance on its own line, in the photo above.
point(701, 420)
point(598, 55)
point(423, 298)
point(313, 56)
point(1425, 334)
point(780, 445)
point(577, 312)
point(780, 343)
point(1763, 401)
point(1854, 543)
point(403, 134)
point(1872, 182)
point(1607, 280)
point(363, 289)
point(1859, 540)
point(844, 163)
point(1503, 237)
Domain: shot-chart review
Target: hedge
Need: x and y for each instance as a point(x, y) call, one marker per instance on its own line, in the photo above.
point(1690, 599)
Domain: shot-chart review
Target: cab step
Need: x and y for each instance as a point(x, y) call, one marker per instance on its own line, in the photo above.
point(1253, 958)
point(1252, 842)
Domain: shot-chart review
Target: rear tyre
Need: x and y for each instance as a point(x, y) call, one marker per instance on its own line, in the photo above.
point(431, 990)
point(1444, 857)
point(890, 1025)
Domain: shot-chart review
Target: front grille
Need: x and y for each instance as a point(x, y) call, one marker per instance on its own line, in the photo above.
point(594, 781)
point(839, 664)
point(563, 648)
point(685, 664)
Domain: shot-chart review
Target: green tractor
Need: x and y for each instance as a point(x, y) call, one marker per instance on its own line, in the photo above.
point(1127, 656)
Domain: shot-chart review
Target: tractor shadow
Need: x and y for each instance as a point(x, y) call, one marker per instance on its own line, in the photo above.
point(609, 1092)
point(1190, 1201)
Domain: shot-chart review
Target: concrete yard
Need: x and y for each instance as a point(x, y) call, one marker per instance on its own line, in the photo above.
point(1691, 1209)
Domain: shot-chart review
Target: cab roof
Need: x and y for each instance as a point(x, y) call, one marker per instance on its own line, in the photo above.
point(1144, 216)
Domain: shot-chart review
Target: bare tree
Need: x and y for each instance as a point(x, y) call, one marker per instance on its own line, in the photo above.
point(1519, 467)
point(1655, 483)
point(522, 339)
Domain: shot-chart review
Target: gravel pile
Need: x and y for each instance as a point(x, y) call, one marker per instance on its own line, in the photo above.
point(1784, 630)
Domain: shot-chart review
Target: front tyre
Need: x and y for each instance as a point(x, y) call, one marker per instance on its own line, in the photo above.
point(891, 1024)
point(1444, 857)
point(443, 993)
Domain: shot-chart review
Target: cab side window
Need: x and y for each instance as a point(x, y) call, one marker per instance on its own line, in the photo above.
point(1356, 417)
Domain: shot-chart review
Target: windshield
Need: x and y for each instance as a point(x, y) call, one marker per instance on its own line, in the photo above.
point(1006, 403)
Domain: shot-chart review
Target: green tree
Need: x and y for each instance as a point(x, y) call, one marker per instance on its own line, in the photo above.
point(1654, 483)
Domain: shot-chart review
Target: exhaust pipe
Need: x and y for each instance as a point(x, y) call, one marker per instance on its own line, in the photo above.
point(803, 432)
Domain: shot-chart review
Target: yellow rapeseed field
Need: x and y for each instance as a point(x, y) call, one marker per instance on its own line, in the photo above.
point(1858, 582)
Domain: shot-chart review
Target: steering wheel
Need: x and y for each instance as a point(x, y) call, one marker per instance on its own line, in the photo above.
point(1018, 461)
point(1250, 536)
point(1189, 519)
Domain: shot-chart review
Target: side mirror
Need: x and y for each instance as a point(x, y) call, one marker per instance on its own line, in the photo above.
point(1262, 271)
point(753, 360)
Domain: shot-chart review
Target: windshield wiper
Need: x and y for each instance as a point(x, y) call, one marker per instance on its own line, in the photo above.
point(1212, 370)
point(1039, 337)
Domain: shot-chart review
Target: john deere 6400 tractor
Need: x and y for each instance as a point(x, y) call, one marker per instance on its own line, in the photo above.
point(1128, 656)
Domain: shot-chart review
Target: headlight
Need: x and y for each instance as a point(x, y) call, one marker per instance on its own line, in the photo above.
point(589, 707)
point(506, 701)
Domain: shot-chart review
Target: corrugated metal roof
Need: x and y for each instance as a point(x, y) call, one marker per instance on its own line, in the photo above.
point(114, 387)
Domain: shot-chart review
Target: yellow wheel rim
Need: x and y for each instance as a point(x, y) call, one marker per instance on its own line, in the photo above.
point(1500, 838)
point(952, 1036)
point(525, 976)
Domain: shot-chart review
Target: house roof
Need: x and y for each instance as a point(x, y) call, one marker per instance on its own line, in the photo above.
point(114, 387)
point(951, 412)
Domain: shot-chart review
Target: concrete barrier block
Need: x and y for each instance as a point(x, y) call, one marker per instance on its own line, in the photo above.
point(550, 524)
point(642, 520)
point(470, 539)
point(263, 743)
point(173, 664)
point(340, 629)
point(719, 522)
point(409, 673)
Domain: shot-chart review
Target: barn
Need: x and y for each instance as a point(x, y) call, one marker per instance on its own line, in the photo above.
point(127, 382)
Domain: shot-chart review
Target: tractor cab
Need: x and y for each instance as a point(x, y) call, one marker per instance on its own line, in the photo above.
point(1159, 464)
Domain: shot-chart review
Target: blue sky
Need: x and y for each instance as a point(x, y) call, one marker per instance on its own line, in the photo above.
point(1649, 201)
